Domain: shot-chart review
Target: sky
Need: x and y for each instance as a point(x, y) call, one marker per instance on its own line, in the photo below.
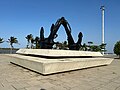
point(19, 18)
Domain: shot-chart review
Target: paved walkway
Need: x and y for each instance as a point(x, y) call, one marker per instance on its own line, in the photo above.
point(13, 77)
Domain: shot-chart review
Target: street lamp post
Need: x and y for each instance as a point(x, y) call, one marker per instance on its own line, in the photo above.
point(103, 40)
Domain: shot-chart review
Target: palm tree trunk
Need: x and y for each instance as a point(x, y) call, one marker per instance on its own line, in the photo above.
point(28, 44)
point(11, 48)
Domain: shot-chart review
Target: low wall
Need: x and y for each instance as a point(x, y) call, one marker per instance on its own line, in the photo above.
point(7, 51)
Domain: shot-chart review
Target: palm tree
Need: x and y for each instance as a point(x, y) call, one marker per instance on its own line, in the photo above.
point(32, 42)
point(102, 47)
point(12, 40)
point(90, 43)
point(29, 38)
point(1, 40)
point(84, 47)
point(65, 45)
point(95, 48)
point(37, 39)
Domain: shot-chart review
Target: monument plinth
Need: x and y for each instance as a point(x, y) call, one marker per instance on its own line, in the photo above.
point(49, 61)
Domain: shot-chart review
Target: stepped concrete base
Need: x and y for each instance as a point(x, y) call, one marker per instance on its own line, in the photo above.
point(48, 65)
point(57, 53)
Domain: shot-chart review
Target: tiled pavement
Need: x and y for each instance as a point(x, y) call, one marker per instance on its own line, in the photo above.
point(13, 77)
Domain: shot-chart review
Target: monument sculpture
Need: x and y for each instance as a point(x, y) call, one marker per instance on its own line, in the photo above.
point(48, 61)
point(47, 43)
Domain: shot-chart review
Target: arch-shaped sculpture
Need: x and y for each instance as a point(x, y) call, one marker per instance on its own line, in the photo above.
point(47, 43)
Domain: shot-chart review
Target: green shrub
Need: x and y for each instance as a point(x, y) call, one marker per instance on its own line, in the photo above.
point(117, 48)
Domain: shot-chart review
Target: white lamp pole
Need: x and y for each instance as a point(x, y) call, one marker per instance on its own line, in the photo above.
point(103, 10)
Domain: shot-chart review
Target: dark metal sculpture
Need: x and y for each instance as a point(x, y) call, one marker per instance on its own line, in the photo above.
point(47, 43)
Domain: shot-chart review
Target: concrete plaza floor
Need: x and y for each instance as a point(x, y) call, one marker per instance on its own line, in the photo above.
point(13, 77)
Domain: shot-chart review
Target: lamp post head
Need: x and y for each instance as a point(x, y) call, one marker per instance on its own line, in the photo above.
point(102, 8)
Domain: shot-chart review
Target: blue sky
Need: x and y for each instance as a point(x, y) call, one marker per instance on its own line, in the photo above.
point(19, 18)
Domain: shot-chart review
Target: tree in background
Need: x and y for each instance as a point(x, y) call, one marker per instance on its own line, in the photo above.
point(1, 40)
point(29, 39)
point(63, 45)
point(32, 42)
point(37, 45)
point(89, 45)
point(103, 47)
point(12, 41)
point(117, 48)
point(95, 48)
point(83, 47)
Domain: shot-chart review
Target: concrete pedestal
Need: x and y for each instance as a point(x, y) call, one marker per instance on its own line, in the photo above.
point(53, 61)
